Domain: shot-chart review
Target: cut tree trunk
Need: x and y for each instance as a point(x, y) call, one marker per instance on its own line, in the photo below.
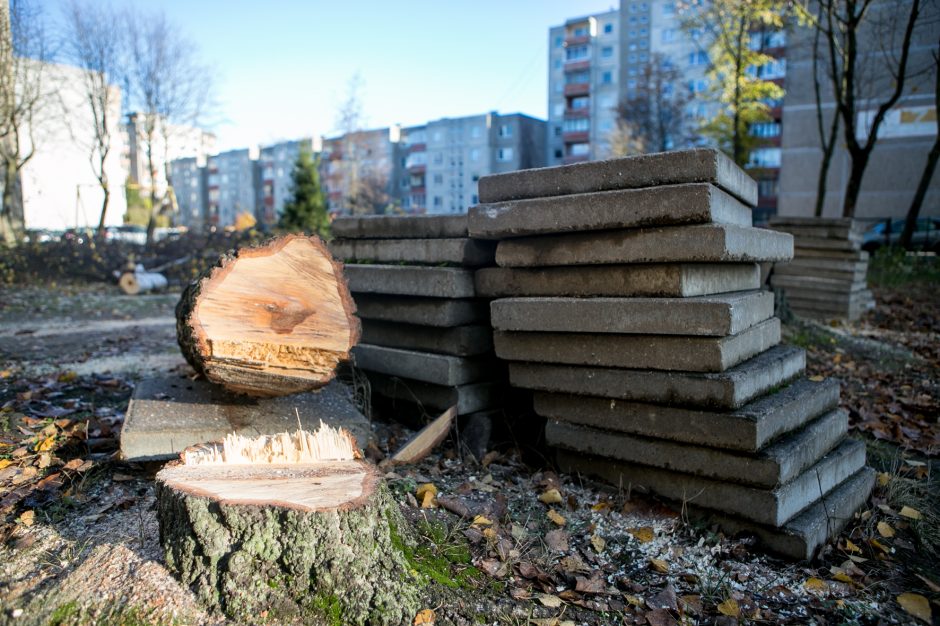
point(286, 542)
point(271, 320)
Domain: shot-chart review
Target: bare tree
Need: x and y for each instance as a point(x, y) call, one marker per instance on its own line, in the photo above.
point(850, 34)
point(652, 119)
point(93, 44)
point(22, 52)
point(827, 141)
point(933, 156)
point(167, 85)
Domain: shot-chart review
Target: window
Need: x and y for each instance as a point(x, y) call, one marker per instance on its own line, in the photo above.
point(504, 154)
point(764, 157)
point(632, 34)
point(631, 58)
point(643, 32)
point(574, 78)
point(558, 41)
point(557, 64)
point(580, 31)
point(474, 199)
point(581, 102)
point(579, 149)
point(608, 28)
point(767, 187)
point(558, 110)
point(577, 53)
point(669, 8)
point(475, 154)
point(438, 202)
point(475, 131)
point(438, 179)
point(607, 52)
point(644, 57)
point(558, 154)
point(765, 129)
point(607, 78)
point(558, 131)
point(632, 71)
point(631, 84)
point(577, 125)
point(644, 19)
point(505, 130)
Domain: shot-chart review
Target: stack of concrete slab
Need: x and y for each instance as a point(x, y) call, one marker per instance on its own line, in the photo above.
point(426, 336)
point(826, 277)
point(628, 298)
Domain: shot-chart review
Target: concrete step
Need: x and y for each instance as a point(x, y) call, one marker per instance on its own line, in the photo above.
point(406, 280)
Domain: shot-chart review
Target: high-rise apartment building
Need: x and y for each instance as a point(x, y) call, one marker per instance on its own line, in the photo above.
point(358, 170)
point(231, 186)
point(584, 61)
point(170, 142)
point(276, 165)
point(189, 179)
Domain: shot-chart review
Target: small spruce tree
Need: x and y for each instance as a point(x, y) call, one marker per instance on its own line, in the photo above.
point(305, 210)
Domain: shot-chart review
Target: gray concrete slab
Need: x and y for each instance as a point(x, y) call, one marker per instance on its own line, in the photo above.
point(788, 269)
point(825, 232)
point(695, 203)
point(674, 244)
point(463, 252)
point(658, 352)
point(851, 256)
point(821, 263)
point(835, 225)
point(456, 341)
point(679, 280)
point(439, 369)
point(748, 429)
point(811, 297)
point(826, 243)
point(730, 389)
point(703, 165)
point(169, 413)
point(400, 227)
point(775, 465)
point(820, 284)
point(441, 312)
point(717, 315)
point(410, 280)
point(802, 537)
point(469, 398)
point(773, 507)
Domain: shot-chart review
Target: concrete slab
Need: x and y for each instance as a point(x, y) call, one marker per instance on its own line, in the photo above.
point(730, 389)
point(702, 165)
point(456, 341)
point(802, 537)
point(851, 256)
point(439, 369)
point(400, 227)
point(811, 297)
point(817, 284)
point(696, 203)
point(469, 398)
point(826, 243)
point(825, 232)
point(836, 225)
point(666, 279)
point(658, 352)
point(747, 429)
point(463, 252)
point(441, 312)
point(169, 413)
point(821, 263)
point(788, 269)
point(674, 244)
point(718, 315)
point(406, 280)
point(773, 466)
point(773, 507)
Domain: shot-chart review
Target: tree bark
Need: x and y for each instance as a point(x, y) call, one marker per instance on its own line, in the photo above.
point(278, 543)
point(271, 320)
point(913, 212)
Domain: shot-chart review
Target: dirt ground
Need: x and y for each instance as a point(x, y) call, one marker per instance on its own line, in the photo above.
point(504, 540)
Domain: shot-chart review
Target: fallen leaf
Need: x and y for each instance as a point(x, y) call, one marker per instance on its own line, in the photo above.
point(489, 457)
point(46, 444)
point(598, 542)
point(659, 565)
point(549, 600)
point(423, 489)
point(551, 496)
point(851, 547)
point(572, 565)
point(643, 535)
point(556, 517)
point(481, 520)
point(660, 617)
point(815, 379)
point(5, 463)
point(730, 608)
point(27, 518)
point(916, 605)
point(67, 377)
point(816, 585)
point(557, 540)
point(424, 616)
point(691, 604)
point(594, 584)
point(910, 513)
point(665, 599)
point(885, 530)
point(601, 506)
point(883, 479)
point(842, 577)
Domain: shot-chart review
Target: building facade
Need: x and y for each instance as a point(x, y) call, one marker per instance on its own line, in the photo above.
point(231, 183)
point(358, 171)
point(170, 142)
point(276, 165)
point(189, 180)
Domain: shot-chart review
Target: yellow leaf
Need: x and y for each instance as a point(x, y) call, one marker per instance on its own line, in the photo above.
point(556, 517)
point(851, 547)
point(424, 616)
point(600, 506)
point(843, 577)
point(551, 496)
point(423, 489)
point(816, 585)
point(817, 379)
point(5, 463)
point(6, 373)
point(490, 534)
point(885, 530)
point(879, 545)
point(659, 565)
point(552, 602)
point(730, 608)
point(643, 535)
point(480, 520)
point(46, 444)
point(27, 518)
point(598, 542)
point(910, 513)
point(916, 605)
point(67, 377)
point(428, 502)
point(883, 479)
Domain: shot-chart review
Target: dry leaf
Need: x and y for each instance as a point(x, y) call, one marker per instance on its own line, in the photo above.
point(851, 547)
point(643, 535)
point(816, 585)
point(594, 584)
point(556, 517)
point(424, 489)
point(551, 496)
point(552, 602)
point(598, 542)
point(916, 605)
point(842, 577)
point(659, 565)
point(5, 463)
point(883, 479)
point(601, 506)
point(557, 540)
point(815, 379)
point(428, 502)
point(27, 518)
point(490, 534)
point(910, 513)
point(730, 608)
point(46, 444)
point(481, 520)
point(885, 530)
point(425, 616)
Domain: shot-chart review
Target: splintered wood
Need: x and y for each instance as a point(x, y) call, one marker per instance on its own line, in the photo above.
point(301, 446)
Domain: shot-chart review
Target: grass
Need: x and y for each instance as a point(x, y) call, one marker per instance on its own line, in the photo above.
point(895, 267)
point(71, 612)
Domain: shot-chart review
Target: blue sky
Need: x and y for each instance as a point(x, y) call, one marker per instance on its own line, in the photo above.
point(282, 66)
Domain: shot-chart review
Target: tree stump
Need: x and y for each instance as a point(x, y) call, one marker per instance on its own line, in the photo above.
point(271, 320)
point(261, 534)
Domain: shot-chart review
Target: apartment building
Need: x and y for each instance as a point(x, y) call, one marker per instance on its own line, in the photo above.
point(189, 179)
point(276, 166)
point(231, 184)
point(584, 68)
point(170, 142)
point(358, 170)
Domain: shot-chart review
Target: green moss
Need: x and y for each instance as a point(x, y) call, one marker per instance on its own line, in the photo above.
point(64, 614)
point(441, 556)
point(328, 607)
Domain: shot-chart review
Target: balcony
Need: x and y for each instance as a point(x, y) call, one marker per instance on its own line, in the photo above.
point(417, 168)
point(417, 147)
point(575, 158)
point(575, 137)
point(575, 40)
point(578, 65)
point(585, 112)
point(578, 89)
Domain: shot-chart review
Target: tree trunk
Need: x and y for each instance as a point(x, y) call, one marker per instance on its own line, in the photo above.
point(317, 542)
point(11, 209)
point(854, 185)
point(269, 321)
point(824, 166)
point(106, 190)
point(913, 212)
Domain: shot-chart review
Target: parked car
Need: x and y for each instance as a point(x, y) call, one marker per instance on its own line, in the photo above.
point(926, 234)
point(130, 233)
